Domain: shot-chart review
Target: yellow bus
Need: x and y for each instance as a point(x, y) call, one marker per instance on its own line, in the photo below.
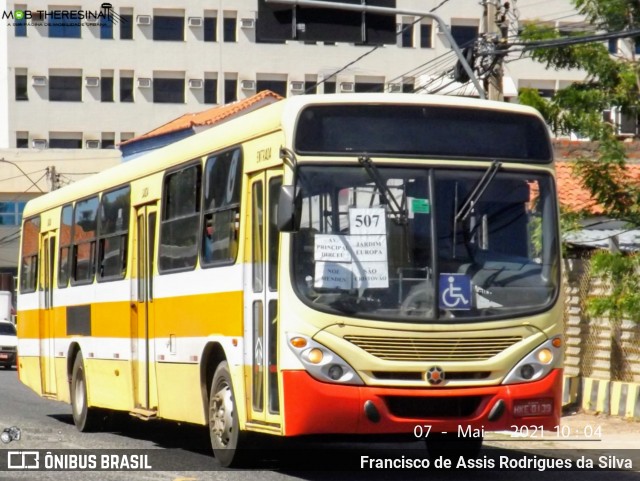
point(334, 264)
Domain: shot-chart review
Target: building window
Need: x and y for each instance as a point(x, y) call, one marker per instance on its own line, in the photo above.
point(230, 90)
point(22, 141)
point(126, 27)
point(168, 90)
point(21, 87)
point(210, 91)
point(168, 28)
point(408, 88)
point(425, 36)
point(106, 28)
point(108, 144)
point(62, 143)
point(363, 87)
point(464, 35)
point(330, 87)
point(64, 28)
point(20, 27)
point(310, 87)
point(65, 88)
point(126, 89)
point(106, 89)
point(11, 213)
point(613, 46)
point(277, 86)
point(406, 35)
point(229, 32)
point(210, 29)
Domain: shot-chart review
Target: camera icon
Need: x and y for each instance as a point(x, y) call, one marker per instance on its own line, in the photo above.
point(10, 434)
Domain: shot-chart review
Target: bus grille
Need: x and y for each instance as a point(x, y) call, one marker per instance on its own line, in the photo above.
point(433, 349)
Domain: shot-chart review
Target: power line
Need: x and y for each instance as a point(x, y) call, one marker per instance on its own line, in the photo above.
point(342, 69)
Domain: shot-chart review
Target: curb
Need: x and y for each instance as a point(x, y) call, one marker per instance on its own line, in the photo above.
point(615, 398)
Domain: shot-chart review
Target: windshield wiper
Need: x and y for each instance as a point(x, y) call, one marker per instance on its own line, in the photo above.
point(477, 192)
point(472, 200)
point(389, 199)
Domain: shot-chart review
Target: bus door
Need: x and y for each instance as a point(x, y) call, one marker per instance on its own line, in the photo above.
point(142, 316)
point(261, 300)
point(46, 314)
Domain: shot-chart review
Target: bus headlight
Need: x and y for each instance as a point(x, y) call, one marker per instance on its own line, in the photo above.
point(320, 362)
point(538, 363)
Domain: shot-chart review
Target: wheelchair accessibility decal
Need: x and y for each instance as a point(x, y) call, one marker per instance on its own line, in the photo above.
point(455, 291)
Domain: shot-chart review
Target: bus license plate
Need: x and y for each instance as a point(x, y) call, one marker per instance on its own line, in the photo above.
point(533, 407)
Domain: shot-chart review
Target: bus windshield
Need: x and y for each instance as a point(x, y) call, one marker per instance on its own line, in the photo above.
point(426, 244)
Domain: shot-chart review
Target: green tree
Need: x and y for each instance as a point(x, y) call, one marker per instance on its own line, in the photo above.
point(611, 81)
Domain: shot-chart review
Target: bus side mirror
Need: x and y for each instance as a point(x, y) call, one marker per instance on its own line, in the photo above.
point(289, 206)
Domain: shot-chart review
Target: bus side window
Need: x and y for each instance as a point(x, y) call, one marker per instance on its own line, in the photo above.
point(66, 223)
point(113, 232)
point(222, 182)
point(29, 264)
point(84, 240)
point(179, 226)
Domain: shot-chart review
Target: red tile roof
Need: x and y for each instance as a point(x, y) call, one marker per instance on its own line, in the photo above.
point(211, 116)
point(574, 197)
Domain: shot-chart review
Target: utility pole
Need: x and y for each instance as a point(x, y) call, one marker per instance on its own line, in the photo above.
point(496, 30)
point(52, 176)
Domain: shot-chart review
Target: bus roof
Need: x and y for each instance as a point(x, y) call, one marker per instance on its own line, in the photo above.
point(279, 115)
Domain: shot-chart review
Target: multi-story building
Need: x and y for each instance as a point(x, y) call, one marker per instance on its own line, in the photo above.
point(72, 82)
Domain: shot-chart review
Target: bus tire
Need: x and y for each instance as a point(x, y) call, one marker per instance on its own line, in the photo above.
point(452, 446)
point(85, 418)
point(224, 429)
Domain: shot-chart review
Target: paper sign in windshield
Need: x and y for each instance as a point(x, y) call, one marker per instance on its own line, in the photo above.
point(331, 248)
point(367, 221)
point(333, 275)
point(370, 275)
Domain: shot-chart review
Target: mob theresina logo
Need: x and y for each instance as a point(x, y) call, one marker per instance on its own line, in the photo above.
point(105, 14)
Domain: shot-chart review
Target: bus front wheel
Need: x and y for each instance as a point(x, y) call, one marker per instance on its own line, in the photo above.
point(84, 417)
point(224, 428)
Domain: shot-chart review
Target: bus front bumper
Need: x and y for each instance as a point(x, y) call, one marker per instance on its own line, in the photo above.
point(313, 407)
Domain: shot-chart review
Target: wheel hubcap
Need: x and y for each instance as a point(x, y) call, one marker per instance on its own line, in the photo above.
point(78, 398)
point(221, 416)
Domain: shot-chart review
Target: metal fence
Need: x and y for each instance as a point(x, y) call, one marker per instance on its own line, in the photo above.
point(598, 348)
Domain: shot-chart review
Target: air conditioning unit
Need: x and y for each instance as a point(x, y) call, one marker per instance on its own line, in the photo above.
point(394, 88)
point(39, 143)
point(247, 23)
point(195, 21)
point(347, 87)
point(248, 84)
point(143, 19)
point(92, 144)
point(195, 83)
point(144, 83)
point(39, 81)
point(297, 86)
point(92, 81)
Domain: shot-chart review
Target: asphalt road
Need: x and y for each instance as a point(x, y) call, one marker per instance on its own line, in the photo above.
point(48, 425)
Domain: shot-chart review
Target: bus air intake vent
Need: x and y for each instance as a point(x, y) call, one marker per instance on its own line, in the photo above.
point(433, 349)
